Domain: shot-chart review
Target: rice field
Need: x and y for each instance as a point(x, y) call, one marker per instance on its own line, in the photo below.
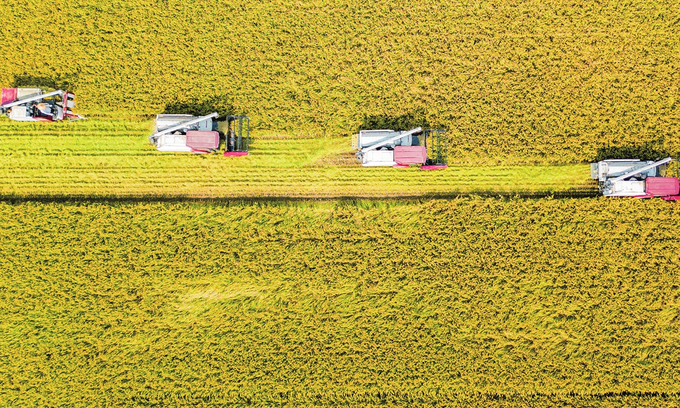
point(465, 302)
point(294, 277)
point(112, 158)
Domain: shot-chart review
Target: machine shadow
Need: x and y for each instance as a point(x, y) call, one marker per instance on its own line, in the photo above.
point(65, 82)
point(580, 192)
point(220, 104)
point(404, 122)
point(652, 150)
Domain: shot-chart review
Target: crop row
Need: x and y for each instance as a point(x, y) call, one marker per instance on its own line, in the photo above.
point(103, 161)
point(504, 302)
point(536, 81)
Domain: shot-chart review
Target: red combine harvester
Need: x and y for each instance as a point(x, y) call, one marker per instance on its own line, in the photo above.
point(34, 104)
point(201, 134)
point(385, 147)
point(635, 178)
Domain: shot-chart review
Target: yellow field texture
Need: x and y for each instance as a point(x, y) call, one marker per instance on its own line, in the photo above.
point(113, 158)
point(468, 302)
point(542, 81)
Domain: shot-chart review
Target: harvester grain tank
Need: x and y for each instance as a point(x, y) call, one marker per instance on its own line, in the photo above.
point(201, 134)
point(386, 147)
point(635, 178)
point(35, 104)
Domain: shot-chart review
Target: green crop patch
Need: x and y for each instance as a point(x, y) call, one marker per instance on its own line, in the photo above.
point(470, 301)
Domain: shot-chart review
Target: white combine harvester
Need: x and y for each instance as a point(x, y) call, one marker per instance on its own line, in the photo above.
point(401, 149)
point(201, 134)
point(635, 178)
point(34, 104)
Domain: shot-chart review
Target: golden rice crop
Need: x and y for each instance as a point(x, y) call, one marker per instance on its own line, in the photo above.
point(112, 158)
point(533, 81)
point(466, 302)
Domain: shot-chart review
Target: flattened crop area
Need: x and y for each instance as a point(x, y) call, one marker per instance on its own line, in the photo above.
point(482, 302)
point(112, 158)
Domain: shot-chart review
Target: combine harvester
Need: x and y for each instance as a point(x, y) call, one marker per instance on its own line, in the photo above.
point(635, 178)
point(402, 149)
point(34, 104)
point(201, 134)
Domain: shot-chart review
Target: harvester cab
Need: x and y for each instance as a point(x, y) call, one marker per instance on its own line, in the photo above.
point(426, 148)
point(635, 178)
point(34, 104)
point(201, 134)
